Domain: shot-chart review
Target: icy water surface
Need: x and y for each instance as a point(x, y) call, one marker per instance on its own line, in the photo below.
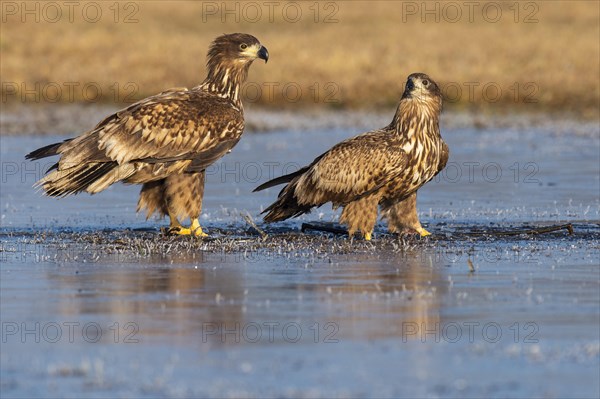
point(97, 302)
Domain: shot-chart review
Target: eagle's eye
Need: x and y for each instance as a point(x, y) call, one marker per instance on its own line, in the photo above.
point(425, 83)
point(243, 46)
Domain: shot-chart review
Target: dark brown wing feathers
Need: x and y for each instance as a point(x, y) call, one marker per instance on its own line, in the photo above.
point(175, 128)
point(349, 171)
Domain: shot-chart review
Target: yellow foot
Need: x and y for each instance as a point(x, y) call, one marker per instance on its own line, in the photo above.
point(184, 231)
point(368, 236)
point(179, 230)
point(423, 233)
point(194, 230)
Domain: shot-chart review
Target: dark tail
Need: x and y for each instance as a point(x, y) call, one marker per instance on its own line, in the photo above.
point(286, 205)
point(46, 151)
point(73, 175)
point(280, 180)
point(83, 177)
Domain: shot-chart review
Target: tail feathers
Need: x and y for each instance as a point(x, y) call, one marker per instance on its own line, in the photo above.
point(280, 180)
point(91, 177)
point(117, 173)
point(46, 151)
point(286, 206)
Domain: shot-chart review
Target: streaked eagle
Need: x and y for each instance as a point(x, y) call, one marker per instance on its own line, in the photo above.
point(383, 167)
point(164, 142)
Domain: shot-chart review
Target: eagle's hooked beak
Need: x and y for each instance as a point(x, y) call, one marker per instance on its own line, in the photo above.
point(410, 86)
point(263, 54)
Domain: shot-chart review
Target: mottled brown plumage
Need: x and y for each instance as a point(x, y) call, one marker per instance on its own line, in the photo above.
point(383, 168)
point(164, 142)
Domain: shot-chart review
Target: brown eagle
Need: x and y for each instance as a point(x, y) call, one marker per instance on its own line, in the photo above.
point(383, 168)
point(164, 142)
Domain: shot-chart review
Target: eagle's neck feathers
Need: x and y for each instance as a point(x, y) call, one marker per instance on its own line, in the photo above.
point(225, 78)
point(417, 119)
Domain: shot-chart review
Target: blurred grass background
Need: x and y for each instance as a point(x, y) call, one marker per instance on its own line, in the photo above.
point(353, 54)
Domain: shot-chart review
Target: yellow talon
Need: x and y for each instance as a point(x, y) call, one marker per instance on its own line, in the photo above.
point(423, 232)
point(199, 233)
point(195, 227)
point(368, 236)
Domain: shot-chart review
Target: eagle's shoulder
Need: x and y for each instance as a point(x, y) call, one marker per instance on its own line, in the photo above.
point(182, 104)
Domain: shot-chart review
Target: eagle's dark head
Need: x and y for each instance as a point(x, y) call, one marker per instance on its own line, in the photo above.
point(239, 48)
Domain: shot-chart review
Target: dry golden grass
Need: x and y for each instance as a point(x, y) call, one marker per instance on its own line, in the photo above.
point(366, 54)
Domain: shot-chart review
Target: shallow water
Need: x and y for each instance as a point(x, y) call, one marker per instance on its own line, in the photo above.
point(96, 302)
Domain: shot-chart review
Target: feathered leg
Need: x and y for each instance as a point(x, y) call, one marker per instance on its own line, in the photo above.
point(361, 215)
point(183, 196)
point(402, 216)
point(152, 198)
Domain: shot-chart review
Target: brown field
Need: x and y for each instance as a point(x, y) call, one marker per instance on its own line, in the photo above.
point(536, 56)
